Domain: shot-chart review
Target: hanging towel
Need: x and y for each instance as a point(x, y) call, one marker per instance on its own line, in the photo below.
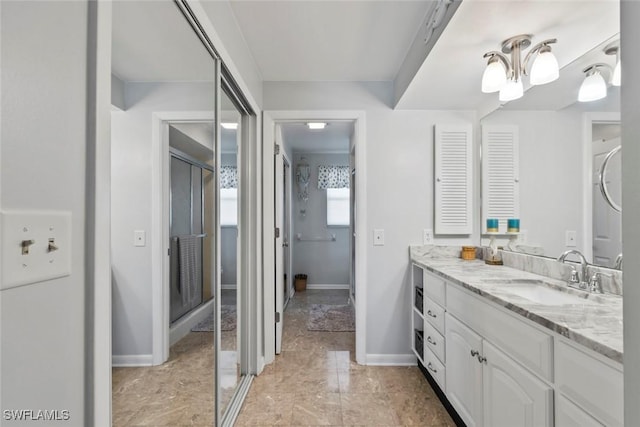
point(187, 266)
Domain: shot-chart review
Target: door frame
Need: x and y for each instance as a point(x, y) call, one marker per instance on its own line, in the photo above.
point(288, 211)
point(587, 190)
point(160, 200)
point(270, 118)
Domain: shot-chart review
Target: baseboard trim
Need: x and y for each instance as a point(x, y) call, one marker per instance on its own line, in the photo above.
point(391, 359)
point(326, 287)
point(131, 360)
point(183, 326)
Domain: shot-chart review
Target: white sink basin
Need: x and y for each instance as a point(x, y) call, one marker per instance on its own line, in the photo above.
point(543, 295)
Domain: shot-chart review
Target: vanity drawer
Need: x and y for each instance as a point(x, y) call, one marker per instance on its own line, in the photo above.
point(435, 368)
point(434, 287)
point(530, 346)
point(434, 341)
point(434, 314)
point(593, 385)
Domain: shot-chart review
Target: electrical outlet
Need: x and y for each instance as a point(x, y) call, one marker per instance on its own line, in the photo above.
point(139, 238)
point(427, 236)
point(571, 238)
point(378, 237)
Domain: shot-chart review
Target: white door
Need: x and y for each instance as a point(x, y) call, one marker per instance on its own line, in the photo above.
point(464, 371)
point(512, 396)
point(607, 224)
point(279, 226)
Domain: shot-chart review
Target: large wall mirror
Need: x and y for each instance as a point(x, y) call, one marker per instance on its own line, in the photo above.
point(560, 146)
point(176, 129)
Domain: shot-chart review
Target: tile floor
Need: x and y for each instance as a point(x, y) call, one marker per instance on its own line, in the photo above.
point(315, 381)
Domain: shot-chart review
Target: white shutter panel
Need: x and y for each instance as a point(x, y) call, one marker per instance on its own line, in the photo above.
point(453, 172)
point(500, 174)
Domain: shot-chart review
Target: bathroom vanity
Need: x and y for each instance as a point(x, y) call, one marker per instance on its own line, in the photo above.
point(509, 347)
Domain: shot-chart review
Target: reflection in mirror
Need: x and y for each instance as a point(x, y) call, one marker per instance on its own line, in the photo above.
point(163, 196)
point(229, 363)
point(560, 147)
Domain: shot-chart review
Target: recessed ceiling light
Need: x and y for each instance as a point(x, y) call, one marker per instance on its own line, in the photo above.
point(229, 125)
point(316, 125)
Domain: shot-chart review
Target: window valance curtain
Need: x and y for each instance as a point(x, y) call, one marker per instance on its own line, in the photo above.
point(228, 177)
point(333, 177)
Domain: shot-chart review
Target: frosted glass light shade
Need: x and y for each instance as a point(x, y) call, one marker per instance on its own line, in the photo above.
point(544, 69)
point(616, 80)
point(494, 77)
point(512, 90)
point(593, 88)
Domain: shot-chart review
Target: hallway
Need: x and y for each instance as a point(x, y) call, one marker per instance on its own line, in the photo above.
point(316, 381)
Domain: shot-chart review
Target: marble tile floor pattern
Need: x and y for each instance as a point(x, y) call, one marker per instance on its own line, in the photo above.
point(316, 381)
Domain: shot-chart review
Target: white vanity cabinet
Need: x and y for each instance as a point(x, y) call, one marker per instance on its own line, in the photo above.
point(428, 322)
point(500, 369)
point(464, 371)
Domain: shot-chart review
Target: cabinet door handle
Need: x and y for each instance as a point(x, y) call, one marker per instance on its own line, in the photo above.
point(431, 314)
point(482, 359)
point(430, 341)
point(431, 368)
point(474, 353)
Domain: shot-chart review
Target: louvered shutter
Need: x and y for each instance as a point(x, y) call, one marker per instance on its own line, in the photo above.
point(500, 174)
point(453, 172)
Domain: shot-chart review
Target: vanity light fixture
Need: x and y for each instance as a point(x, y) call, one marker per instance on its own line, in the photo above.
point(594, 86)
point(316, 125)
point(229, 125)
point(614, 49)
point(505, 75)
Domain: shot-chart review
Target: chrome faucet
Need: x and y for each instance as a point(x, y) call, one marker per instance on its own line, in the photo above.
point(581, 282)
point(618, 263)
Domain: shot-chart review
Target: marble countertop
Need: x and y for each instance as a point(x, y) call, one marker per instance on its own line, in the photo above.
point(593, 320)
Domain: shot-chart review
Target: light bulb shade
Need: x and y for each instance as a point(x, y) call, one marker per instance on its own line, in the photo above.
point(593, 88)
point(494, 77)
point(512, 90)
point(544, 68)
point(616, 80)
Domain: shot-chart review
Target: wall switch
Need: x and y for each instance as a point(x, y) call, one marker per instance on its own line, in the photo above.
point(378, 237)
point(36, 246)
point(427, 236)
point(139, 238)
point(570, 239)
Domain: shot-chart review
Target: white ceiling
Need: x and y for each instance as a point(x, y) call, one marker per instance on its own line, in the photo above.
point(330, 40)
point(153, 42)
point(333, 138)
point(450, 76)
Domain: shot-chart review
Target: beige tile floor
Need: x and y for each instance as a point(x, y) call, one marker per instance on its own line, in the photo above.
point(315, 381)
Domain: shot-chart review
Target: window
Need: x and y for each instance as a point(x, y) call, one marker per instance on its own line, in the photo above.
point(338, 206)
point(228, 207)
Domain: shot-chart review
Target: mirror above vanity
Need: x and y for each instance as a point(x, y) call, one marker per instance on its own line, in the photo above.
point(552, 152)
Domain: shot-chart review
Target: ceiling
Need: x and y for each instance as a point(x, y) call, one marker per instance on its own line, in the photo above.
point(334, 137)
point(450, 77)
point(329, 40)
point(368, 40)
point(144, 50)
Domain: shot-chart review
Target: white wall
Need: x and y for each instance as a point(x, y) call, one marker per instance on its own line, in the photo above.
point(42, 151)
point(551, 175)
point(399, 191)
point(229, 238)
point(630, 14)
point(325, 263)
point(131, 203)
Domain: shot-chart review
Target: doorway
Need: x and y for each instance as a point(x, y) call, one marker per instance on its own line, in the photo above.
point(326, 236)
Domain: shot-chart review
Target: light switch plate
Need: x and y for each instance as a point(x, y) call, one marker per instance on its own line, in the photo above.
point(42, 261)
point(378, 237)
point(570, 239)
point(139, 238)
